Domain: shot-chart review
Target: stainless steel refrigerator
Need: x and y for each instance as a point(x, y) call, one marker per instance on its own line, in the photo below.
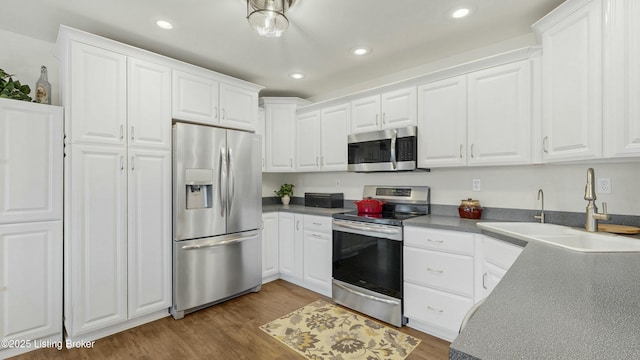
point(217, 213)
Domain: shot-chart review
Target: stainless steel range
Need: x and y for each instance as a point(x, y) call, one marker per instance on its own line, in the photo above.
point(367, 252)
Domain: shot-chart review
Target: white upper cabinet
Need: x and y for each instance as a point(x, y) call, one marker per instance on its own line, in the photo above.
point(199, 96)
point(195, 97)
point(622, 79)
point(280, 136)
point(149, 105)
point(571, 82)
point(98, 107)
point(308, 141)
point(442, 123)
point(321, 140)
point(238, 107)
point(482, 118)
point(499, 115)
point(334, 126)
point(392, 109)
point(30, 171)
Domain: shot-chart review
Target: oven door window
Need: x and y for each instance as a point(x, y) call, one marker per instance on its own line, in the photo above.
point(369, 262)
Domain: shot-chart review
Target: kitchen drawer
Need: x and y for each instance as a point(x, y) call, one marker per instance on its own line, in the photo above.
point(500, 253)
point(317, 223)
point(441, 240)
point(444, 271)
point(435, 307)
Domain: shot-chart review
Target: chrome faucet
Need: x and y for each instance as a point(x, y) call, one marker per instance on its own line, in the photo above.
point(541, 216)
point(592, 211)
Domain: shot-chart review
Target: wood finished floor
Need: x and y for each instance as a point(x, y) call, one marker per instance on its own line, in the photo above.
point(224, 331)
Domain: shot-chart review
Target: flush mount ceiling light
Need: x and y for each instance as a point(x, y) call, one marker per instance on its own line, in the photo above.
point(460, 13)
point(360, 50)
point(164, 24)
point(268, 17)
point(297, 76)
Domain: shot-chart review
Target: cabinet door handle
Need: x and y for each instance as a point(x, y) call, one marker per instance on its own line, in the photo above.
point(121, 131)
point(291, 162)
point(223, 113)
point(317, 163)
point(461, 151)
point(121, 162)
point(472, 155)
point(132, 167)
point(545, 143)
point(132, 137)
point(435, 241)
point(435, 270)
point(322, 161)
point(298, 225)
point(215, 112)
point(376, 119)
point(484, 281)
point(317, 224)
point(316, 236)
point(384, 115)
point(434, 309)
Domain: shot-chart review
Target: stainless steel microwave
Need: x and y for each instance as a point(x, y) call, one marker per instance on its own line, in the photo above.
point(384, 150)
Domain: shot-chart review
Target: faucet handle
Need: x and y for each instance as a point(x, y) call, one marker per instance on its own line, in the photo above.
point(604, 215)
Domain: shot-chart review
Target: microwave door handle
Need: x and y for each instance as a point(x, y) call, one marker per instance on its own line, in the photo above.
point(394, 137)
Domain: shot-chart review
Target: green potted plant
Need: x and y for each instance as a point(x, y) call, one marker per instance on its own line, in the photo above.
point(10, 89)
point(285, 193)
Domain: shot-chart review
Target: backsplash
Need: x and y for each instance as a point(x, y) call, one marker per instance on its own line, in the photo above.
point(507, 187)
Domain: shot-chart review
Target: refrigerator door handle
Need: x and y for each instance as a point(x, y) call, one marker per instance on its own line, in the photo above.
point(222, 181)
point(232, 183)
point(219, 243)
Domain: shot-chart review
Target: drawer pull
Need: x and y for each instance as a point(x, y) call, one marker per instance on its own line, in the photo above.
point(435, 271)
point(435, 241)
point(318, 224)
point(484, 281)
point(434, 309)
point(316, 236)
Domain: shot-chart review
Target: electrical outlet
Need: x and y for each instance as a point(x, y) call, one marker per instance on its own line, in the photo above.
point(475, 184)
point(338, 184)
point(604, 185)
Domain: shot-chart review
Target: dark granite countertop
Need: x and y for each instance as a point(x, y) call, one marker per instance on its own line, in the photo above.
point(301, 209)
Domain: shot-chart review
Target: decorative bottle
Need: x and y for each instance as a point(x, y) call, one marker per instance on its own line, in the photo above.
point(43, 87)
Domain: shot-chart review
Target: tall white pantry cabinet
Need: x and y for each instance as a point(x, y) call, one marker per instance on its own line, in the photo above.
point(30, 225)
point(117, 255)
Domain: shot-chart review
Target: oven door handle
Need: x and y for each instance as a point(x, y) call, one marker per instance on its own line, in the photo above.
point(368, 228)
point(370, 297)
point(394, 137)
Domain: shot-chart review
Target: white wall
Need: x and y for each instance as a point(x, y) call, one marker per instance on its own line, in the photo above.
point(23, 56)
point(513, 187)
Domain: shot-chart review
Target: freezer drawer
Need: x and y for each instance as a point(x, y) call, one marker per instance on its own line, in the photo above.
point(209, 270)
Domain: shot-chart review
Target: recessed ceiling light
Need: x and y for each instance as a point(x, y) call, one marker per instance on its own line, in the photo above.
point(361, 50)
point(460, 13)
point(297, 76)
point(164, 24)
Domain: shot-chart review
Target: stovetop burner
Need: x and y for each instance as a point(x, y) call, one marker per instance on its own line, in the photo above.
point(386, 218)
point(402, 203)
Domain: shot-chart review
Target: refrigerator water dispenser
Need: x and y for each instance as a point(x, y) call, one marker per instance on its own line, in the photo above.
point(199, 188)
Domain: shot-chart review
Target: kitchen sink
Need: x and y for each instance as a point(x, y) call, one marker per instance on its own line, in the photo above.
point(563, 236)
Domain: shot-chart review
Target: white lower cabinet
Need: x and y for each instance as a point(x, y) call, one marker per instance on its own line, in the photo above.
point(270, 258)
point(438, 279)
point(30, 285)
point(304, 244)
point(318, 253)
point(496, 258)
point(291, 247)
point(118, 239)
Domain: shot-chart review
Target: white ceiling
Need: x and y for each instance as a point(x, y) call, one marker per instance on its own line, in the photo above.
point(215, 34)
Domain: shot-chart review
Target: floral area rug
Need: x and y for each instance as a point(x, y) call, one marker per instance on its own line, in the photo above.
point(324, 331)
